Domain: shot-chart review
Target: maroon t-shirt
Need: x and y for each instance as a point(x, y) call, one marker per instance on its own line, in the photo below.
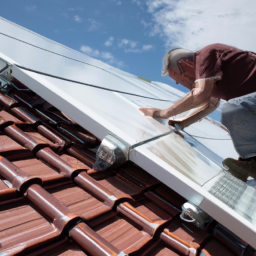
point(235, 68)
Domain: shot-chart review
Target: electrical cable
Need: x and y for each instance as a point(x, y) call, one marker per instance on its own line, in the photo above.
point(95, 86)
point(90, 85)
point(61, 55)
point(64, 56)
point(195, 136)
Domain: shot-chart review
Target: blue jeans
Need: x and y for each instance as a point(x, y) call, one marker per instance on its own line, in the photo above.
point(240, 119)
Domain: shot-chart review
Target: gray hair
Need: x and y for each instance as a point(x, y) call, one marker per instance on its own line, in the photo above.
point(172, 58)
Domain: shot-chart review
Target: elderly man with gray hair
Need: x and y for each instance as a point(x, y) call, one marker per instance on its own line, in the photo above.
point(217, 72)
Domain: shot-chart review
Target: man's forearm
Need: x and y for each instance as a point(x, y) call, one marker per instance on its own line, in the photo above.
point(199, 95)
point(197, 114)
point(188, 102)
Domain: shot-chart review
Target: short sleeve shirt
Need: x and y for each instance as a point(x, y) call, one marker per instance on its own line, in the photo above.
point(234, 70)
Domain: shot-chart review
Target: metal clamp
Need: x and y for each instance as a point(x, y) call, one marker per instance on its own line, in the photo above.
point(186, 216)
point(112, 152)
point(193, 214)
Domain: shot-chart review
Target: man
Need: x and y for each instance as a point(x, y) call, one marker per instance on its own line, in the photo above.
point(218, 72)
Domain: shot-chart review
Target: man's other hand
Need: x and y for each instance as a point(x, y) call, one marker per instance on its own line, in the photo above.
point(173, 122)
point(153, 112)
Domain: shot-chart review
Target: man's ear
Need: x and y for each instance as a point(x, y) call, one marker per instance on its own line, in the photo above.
point(188, 67)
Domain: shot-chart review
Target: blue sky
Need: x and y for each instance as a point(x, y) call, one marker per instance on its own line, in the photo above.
point(116, 32)
point(134, 35)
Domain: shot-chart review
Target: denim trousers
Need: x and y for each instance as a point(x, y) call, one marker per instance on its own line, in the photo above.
point(239, 116)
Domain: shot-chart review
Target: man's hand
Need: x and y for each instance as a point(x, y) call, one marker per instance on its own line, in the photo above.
point(173, 122)
point(181, 125)
point(153, 112)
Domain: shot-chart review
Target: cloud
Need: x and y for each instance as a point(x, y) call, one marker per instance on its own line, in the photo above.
point(116, 63)
point(77, 18)
point(88, 50)
point(93, 25)
point(31, 8)
point(127, 43)
point(145, 24)
point(139, 3)
point(75, 9)
point(110, 41)
point(106, 56)
point(133, 50)
point(65, 15)
point(133, 46)
point(117, 2)
point(192, 24)
point(147, 47)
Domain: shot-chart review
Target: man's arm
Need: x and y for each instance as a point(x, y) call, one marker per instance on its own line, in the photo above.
point(197, 96)
point(212, 105)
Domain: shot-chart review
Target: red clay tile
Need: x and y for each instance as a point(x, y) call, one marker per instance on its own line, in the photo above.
point(118, 187)
point(125, 209)
point(187, 232)
point(3, 186)
point(159, 249)
point(64, 247)
point(36, 168)
point(122, 234)
point(79, 201)
point(151, 210)
point(20, 224)
point(8, 117)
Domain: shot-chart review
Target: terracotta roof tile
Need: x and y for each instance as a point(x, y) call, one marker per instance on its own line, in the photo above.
point(53, 203)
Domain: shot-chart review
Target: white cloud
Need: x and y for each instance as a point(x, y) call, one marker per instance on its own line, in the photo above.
point(192, 24)
point(110, 41)
point(30, 8)
point(129, 43)
point(133, 46)
point(88, 50)
point(76, 9)
point(116, 63)
point(133, 50)
point(139, 3)
point(93, 25)
point(144, 48)
point(77, 18)
point(106, 56)
point(145, 24)
point(117, 2)
point(64, 14)
point(147, 47)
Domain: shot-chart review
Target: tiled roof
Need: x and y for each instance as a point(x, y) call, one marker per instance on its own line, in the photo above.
point(53, 203)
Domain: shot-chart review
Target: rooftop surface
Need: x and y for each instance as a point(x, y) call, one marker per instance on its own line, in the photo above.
point(53, 203)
